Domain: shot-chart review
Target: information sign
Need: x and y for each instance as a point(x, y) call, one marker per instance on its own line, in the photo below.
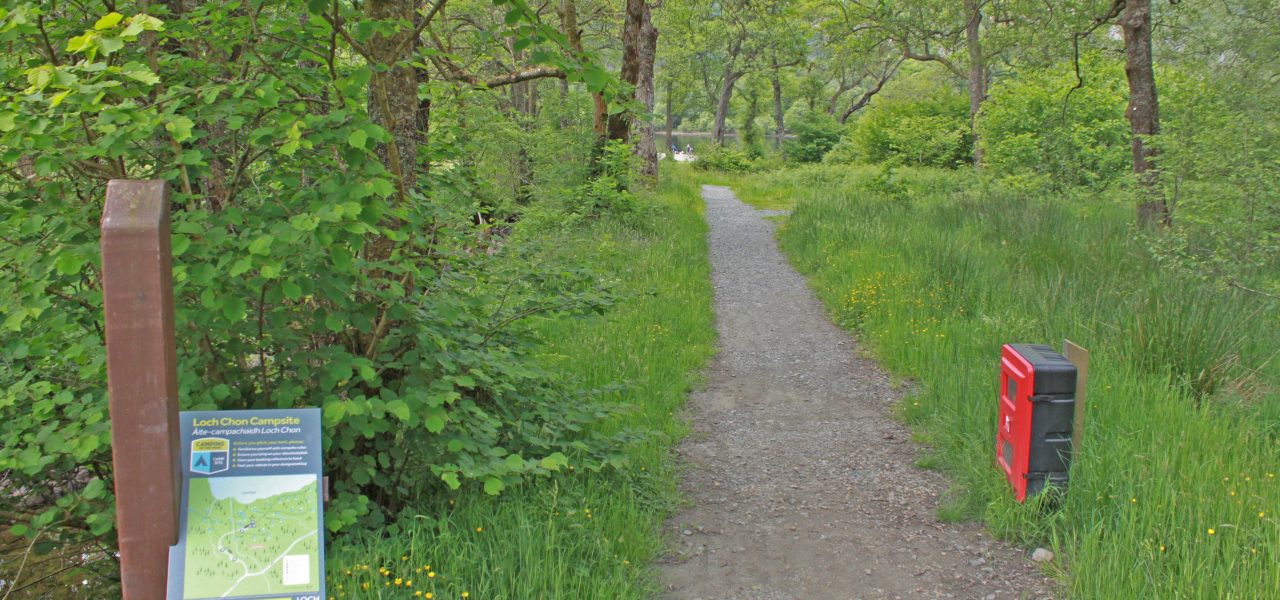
point(251, 520)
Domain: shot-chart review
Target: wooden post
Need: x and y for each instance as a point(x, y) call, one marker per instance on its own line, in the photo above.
point(1080, 358)
point(142, 380)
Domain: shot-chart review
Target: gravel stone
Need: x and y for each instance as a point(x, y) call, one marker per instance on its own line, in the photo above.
point(793, 435)
point(1042, 555)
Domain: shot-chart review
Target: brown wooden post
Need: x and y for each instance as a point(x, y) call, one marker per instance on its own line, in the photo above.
point(142, 380)
point(1080, 358)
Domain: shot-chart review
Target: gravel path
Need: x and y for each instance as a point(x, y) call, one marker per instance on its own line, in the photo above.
point(802, 486)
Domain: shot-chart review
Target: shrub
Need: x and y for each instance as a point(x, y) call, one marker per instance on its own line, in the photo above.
point(718, 157)
point(929, 132)
point(815, 133)
point(309, 279)
point(1034, 127)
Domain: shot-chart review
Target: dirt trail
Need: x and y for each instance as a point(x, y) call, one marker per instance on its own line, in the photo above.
point(802, 486)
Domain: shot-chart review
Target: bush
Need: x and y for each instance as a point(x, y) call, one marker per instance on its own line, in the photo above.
point(929, 132)
point(718, 157)
point(1031, 129)
point(815, 133)
point(306, 279)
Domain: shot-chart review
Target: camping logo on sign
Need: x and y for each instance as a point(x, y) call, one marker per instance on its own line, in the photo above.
point(210, 455)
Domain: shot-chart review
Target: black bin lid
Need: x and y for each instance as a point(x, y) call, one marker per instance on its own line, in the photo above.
point(1054, 373)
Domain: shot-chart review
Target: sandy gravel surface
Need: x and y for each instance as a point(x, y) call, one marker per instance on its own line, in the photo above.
point(801, 485)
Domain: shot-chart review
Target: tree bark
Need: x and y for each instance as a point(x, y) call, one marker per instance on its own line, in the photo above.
point(977, 73)
point(393, 90)
point(1143, 111)
point(671, 118)
point(779, 114)
point(619, 124)
point(645, 147)
point(722, 105)
point(569, 24)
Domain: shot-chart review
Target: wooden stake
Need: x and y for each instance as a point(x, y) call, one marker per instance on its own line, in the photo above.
point(1080, 358)
point(142, 380)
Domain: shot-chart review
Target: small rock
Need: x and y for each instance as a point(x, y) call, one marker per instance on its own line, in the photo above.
point(991, 597)
point(867, 571)
point(688, 532)
point(977, 562)
point(1042, 555)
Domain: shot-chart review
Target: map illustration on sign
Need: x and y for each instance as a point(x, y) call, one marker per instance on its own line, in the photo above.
point(251, 535)
point(251, 520)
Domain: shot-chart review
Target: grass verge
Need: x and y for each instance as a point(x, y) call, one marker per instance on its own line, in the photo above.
point(585, 535)
point(1174, 493)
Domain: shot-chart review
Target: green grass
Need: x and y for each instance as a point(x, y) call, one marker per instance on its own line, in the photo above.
point(584, 535)
point(935, 270)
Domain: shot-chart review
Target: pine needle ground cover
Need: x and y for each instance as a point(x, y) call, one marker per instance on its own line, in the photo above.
point(585, 535)
point(1174, 493)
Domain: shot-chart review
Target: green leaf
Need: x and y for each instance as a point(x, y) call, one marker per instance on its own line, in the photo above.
point(139, 72)
point(382, 187)
point(180, 244)
point(358, 138)
point(233, 308)
point(435, 420)
point(59, 97)
point(304, 222)
point(554, 461)
point(139, 23)
point(108, 21)
point(291, 290)
point(464, 381)
point(596, 78)
point(398, 408)
point(341, 258)
point(493, 486)
point(93, 489)
point(262, 245)
point(179, 127)
point(513, 16)
point(240, 267)
point(334, 322)
point(451, 479)
point(109, 45)
point(515, 463)
point(69, 263)
point(8, 121)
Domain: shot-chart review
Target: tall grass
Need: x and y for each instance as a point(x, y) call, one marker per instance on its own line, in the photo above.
point(587, 535)
point(1174, 491)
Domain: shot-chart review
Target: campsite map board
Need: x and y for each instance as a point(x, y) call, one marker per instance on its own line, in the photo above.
point(251, 518)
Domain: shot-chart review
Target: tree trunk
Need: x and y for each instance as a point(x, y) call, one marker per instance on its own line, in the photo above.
point(619, 124)
point(645, 147)
point(977, 73)
point(778, 113)
point(1143, 111)
point(722, 106)
point(393, 91)
point(569, 24)
point(671, 118)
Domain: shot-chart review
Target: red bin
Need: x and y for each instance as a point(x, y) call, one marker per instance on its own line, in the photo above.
point(1037, 406)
